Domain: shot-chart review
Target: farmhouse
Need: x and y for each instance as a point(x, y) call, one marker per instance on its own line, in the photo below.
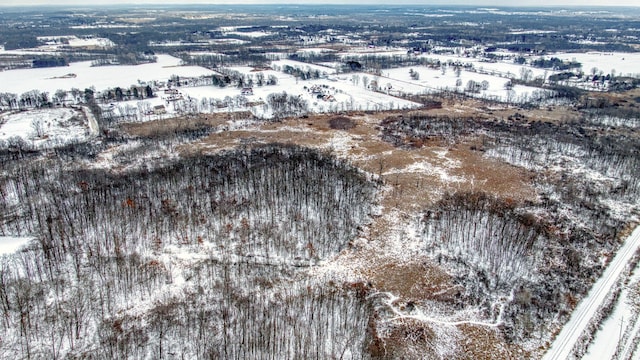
point(247, 91)
point(316, 89)
point(159, 110)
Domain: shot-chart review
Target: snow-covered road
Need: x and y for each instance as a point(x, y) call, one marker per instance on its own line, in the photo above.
point(94, 129)
point(563, 344)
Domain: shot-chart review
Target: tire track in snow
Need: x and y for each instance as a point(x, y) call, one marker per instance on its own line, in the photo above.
point(423, 318)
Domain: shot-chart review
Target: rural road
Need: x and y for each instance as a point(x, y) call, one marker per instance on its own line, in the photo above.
point(93, 124)
point(562, 346)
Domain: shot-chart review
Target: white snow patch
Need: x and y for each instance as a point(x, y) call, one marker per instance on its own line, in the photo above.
point(11, 244)
point(45, 128)
point(251, 34)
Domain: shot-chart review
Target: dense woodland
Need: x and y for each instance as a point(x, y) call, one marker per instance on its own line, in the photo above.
point(247, 223)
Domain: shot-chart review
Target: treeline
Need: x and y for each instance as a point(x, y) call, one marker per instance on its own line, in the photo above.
point(375, 63)
point(303, 74)
point(49, 62)
point(555, 64)
point(107, 274)
point(27, 100)
point(284, 105)
point(132, 93)
point(230, 77)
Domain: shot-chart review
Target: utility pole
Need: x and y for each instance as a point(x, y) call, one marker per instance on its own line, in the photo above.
point(620, 344)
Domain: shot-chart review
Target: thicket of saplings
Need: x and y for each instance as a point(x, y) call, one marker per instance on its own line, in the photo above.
point(201, 258)
point(546, 251)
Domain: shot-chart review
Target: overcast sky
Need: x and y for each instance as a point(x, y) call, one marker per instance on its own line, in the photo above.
point(382, 2)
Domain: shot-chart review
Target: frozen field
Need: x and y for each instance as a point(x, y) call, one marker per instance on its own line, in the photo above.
point(55, 45)
point(432, 80)
point(331, 92)
point(74, 41)
point(280, 64)
point(622, 63)
point(100, 77)
point(44, 128)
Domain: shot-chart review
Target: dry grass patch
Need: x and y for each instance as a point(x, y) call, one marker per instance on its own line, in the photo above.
point(409, 339)
point(183, 123)
point(413, 281)
point(483, 343)
point(489, 175)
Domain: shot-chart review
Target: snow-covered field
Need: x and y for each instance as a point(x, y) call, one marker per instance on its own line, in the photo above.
point(251, 34)
point(206, 53)
point(619, 62)
point(622, 63)
point(280, 64)
point(343, 95)
point(314, 51)
point(44, 128)
point(332, 92)
point(98, 77)
point(433, 80)
point(53, 45)
point(322, 95)
point(74, 41)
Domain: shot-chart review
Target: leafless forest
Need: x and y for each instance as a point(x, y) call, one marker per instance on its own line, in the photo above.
point(248, 223)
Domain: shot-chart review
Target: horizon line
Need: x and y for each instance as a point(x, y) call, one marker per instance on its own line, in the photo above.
point(331, 3)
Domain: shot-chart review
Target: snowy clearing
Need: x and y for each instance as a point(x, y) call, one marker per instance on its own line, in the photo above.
point(74, 41)
point(501, 68)
point(45, 128)
point(279, 64)
point(250, 34)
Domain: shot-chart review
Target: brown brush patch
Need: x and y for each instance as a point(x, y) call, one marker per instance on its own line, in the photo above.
point(413, 281)
point(341, 123)
point(414, 178)
point(183, 123)
point(407, 339)
point(480, 342)
point(490, 175)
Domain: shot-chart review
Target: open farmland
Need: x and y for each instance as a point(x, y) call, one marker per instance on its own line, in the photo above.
point(82, 75)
